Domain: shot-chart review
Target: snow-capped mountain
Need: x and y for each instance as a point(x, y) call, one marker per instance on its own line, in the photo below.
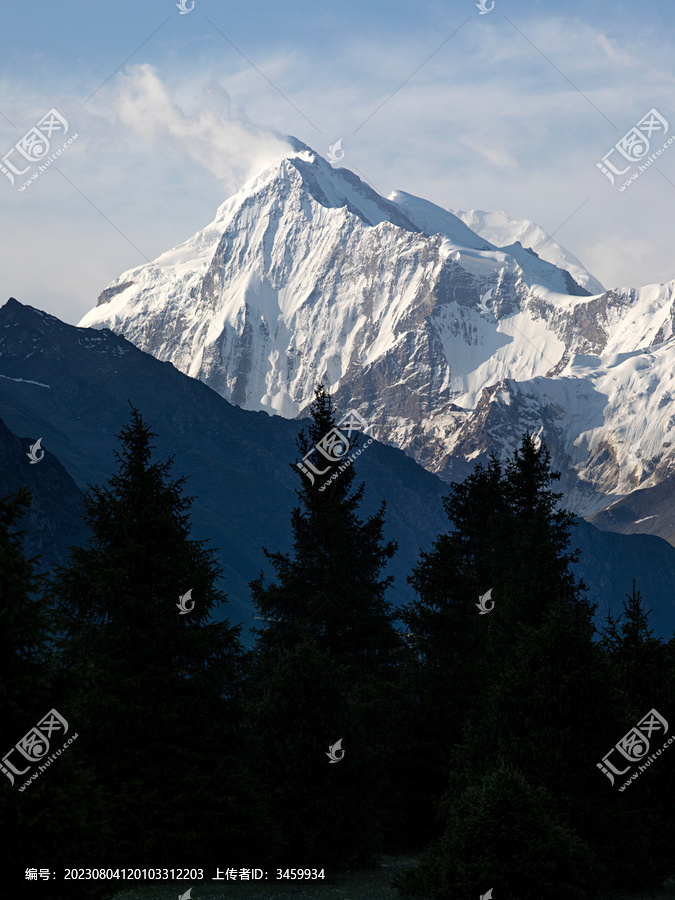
point(449, 345)
point(502, 230)
point(72, 387)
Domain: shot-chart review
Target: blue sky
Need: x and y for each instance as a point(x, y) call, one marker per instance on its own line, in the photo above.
point(507, 110)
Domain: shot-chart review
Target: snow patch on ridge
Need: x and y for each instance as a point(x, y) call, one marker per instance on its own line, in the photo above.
point(452, 343)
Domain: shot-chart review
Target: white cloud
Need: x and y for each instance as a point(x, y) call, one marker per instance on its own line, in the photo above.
point(497, 156)
point(486, 123)
point(614, 53)
point(217, 134)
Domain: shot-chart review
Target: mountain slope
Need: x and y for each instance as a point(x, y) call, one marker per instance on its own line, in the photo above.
point(72, 386)
point(645, 511)
point(451, 346)
point(53, 521)
point(502, 230)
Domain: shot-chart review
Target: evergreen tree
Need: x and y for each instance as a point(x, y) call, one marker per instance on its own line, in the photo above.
point(331, 587)
point(159, 690)
point(329, 812)
point(545, 701)
point(645, 668)
point(504, 833)
point(326, 654)
point(539, 557)
point(60, 815)
point(639, 659)
point(446, 665)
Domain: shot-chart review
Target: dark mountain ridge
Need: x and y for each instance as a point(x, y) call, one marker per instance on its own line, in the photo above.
point(72, 387)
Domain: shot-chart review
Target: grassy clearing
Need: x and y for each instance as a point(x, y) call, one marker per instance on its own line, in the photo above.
point(364, 884)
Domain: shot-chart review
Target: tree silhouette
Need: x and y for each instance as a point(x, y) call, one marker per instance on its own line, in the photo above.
point(159, 691)
point(61, 813)
point(326, 654)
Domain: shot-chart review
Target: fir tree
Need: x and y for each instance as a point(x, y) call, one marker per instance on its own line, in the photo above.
point(326, 654)
point(446, 666)
point(331, 587)
point(329, 811)
point(505, 833)
point(545, 701)
point(645, 668)
point(158, 702)
point(539, 557)
point(639, 659)
point(61, 813)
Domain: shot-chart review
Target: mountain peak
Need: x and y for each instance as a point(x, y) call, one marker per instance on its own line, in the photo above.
point(13, 309)
point(504, 231)
point(307, 171)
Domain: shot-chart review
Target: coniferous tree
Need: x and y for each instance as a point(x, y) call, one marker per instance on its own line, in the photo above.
point(546, 703)
point(54, 811)
point(326, 653)
point(505, 833)
point(159, 689)
point(644, 666)
point(331, 587)
point(446, 636)
point(639, 659)
point(539, 557)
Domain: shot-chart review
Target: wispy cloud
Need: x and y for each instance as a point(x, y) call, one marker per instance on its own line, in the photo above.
point(486, 147)
point(614, 53)
point(488, 122)
point(215, 133)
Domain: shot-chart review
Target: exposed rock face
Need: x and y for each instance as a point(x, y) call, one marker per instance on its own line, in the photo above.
point(72, 387)
point(449, 345)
